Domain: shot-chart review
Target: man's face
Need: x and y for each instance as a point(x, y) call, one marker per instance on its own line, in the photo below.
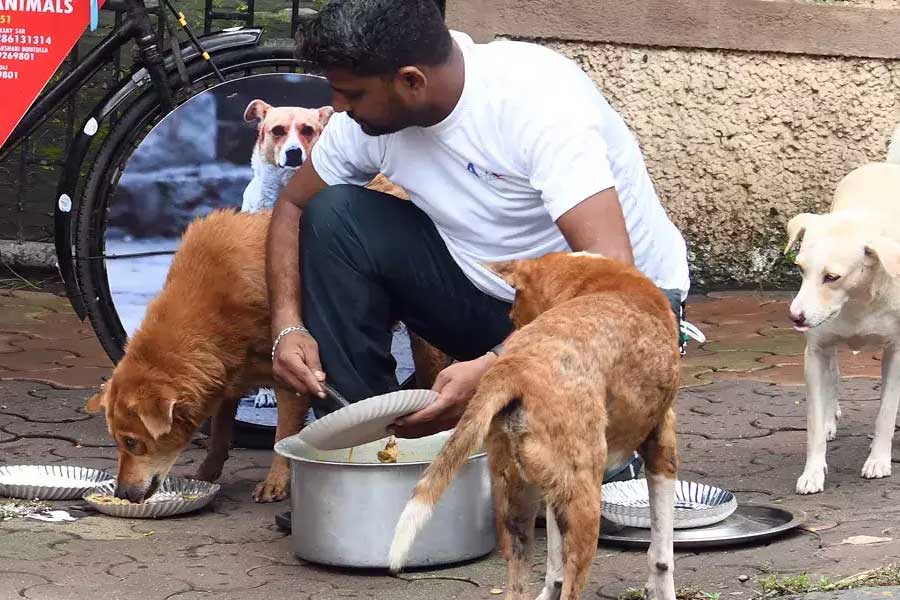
point(378, 104)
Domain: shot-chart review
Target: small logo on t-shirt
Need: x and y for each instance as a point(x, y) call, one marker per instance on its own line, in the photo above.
point(483, 175)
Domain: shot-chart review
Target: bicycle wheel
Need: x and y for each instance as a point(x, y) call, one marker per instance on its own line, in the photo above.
point(103, 188)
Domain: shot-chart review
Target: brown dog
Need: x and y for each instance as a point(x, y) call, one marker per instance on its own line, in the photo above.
point(203, 344)
point(589, 375)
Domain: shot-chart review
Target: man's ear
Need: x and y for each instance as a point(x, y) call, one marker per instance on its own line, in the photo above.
point(157, 417)
point(97, 402)
point(796, 226)
point(257, 109)
point(508, 270)
point(887, 251)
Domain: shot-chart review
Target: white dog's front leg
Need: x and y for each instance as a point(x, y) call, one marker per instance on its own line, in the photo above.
point(554, 577)
point(820, 385)
point(830, 401)
point(879, 462)
point(660, 556)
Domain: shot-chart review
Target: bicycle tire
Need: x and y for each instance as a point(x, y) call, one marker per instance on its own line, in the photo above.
point(93, 205)
point(91, 209)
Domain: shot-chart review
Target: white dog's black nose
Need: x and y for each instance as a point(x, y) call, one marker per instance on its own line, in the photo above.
point(293, 158)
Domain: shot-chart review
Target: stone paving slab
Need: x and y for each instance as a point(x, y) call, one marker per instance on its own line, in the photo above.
point(741, 418)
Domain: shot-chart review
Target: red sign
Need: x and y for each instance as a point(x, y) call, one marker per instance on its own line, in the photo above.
point(35, 38)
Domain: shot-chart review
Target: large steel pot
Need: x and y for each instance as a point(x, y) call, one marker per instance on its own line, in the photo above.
point(345, 504)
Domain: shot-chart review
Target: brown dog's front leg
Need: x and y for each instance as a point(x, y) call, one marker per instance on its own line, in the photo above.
point(221, 432)
point(292, 411)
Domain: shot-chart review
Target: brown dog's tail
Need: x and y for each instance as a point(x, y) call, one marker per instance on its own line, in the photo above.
point(493, 395)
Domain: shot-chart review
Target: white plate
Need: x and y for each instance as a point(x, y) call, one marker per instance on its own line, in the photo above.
point(696, 504)
point(168, 500)
point(364, 421)
point(49, 482)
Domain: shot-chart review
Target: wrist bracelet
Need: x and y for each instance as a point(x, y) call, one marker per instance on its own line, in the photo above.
point(497, 349)
point(283, 333)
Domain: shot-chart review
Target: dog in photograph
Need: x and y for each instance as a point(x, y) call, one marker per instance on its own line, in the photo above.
point(849, 259)
point(285, 138)
point(589, 375)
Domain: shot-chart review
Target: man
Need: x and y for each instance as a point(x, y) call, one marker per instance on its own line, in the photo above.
point(507, 150)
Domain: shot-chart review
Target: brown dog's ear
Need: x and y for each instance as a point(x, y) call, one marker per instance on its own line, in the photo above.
point(508, 270)
point(96, 402)
point(887, 251)
point(325, 114)
point(796, 226)
point(157, 417)
point(257, 109)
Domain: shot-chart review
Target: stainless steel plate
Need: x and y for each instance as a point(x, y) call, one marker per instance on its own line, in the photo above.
point(49, 482)
point(175, 496)
point(749, 523)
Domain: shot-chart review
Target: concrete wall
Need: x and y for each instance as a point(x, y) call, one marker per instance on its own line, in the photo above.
point(737, 139)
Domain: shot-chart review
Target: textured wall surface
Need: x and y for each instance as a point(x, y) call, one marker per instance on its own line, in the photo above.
point(737, 143)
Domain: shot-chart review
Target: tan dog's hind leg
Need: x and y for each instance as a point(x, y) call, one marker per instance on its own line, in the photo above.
point(661, 457)
point(523, 503)
point(579, 526)
point(221, 432)
point(292, 411)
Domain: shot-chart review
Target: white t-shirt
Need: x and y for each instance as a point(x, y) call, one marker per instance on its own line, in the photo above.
point(530, 138)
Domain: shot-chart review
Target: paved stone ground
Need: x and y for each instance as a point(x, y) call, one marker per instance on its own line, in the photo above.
point(741, 427)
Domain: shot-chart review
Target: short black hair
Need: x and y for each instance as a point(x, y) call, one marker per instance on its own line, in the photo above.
point(375, 37)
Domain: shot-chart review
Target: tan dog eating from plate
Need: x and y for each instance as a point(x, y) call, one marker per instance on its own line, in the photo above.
point(590, 375)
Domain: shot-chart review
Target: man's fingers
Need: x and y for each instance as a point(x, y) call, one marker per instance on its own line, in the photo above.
point(311, 354)
point(296, 374)
point(429, 413)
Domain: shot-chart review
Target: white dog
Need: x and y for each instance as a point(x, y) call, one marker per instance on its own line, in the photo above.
point(850, 259)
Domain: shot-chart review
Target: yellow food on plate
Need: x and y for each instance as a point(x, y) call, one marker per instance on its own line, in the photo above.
point(390, 452)
point(106, 499)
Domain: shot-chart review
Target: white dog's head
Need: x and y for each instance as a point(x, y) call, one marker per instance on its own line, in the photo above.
point(839, 257)
point(286, 133)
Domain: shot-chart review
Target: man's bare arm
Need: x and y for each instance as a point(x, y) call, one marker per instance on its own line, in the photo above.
point(598, 225)
point(297, 361)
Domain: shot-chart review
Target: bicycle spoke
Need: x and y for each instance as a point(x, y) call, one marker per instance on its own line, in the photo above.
point(127, 255)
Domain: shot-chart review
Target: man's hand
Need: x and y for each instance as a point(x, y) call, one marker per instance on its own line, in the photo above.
point(455, 386)
point(296, 364)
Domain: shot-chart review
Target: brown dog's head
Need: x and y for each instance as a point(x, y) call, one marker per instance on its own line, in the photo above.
point(150, 422)
point(286, 133)
point(544, 282)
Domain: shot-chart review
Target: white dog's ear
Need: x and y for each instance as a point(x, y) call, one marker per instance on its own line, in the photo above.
point(796, 226)
point(325, 114)
point(257, 109)
point(887, 251)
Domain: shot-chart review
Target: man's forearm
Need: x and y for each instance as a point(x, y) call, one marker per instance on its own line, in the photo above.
point(283, 247)
point(283, 265)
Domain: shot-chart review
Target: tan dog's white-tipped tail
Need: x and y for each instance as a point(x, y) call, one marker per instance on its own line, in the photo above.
point(493, 395)
point(893, 153)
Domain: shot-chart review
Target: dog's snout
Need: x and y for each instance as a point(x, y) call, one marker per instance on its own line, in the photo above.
point(136, 492)
point(798, 318)
point(293, 157)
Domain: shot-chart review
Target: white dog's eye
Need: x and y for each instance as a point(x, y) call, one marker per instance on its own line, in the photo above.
point(306, 131)
point(278, 131)
point(830, 278)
